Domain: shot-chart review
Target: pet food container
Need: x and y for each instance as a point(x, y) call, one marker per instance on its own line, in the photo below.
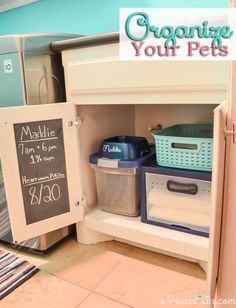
point(176, 199)
point(124, 147)
point(118, 182)
point(186, 146)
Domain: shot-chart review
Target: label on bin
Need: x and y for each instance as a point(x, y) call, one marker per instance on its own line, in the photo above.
point(111, 149)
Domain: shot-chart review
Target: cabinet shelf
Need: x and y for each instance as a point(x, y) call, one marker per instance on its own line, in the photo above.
point(131, 229)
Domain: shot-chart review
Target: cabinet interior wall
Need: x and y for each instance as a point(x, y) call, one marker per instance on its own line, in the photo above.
point(103, 121)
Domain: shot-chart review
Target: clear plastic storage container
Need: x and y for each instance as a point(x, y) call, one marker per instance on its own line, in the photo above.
point(118, 190)
point(118, 184)
point(176, 199)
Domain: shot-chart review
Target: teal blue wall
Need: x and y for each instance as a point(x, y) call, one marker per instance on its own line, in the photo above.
point(82, 16)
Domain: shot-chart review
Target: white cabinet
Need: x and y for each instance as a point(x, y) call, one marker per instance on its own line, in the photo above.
point(120, 98)
point(94, 75)
point(82, 137)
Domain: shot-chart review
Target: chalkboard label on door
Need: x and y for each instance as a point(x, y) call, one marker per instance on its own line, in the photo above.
point(42, 167)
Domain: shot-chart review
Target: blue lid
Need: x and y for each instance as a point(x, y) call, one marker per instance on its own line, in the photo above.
point(94, 159)
point(124, 147)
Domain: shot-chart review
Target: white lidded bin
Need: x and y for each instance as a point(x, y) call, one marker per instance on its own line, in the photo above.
point(118, 184)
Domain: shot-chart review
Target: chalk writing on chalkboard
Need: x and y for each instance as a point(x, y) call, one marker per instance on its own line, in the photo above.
point(42, 167)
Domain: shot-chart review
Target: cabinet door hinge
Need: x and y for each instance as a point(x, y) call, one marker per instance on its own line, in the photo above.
point(83, 201)
point(77, 122)
point(231, 132)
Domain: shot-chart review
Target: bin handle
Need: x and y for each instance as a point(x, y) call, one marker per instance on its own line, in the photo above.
point(39, 87)
point(191, 147)
point(184, 146)
point(184, 188)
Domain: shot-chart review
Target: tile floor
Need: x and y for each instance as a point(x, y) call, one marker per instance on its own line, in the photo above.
point(105, 275)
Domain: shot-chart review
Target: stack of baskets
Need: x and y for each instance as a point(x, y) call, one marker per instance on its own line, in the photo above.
point(186, 146)
point(176, 188)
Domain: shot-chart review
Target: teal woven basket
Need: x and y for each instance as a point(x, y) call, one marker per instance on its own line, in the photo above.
point(186, 146)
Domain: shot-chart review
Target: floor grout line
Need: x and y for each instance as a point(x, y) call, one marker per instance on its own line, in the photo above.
point(84, 299)
point(93, 290)
point(114, 300)
point(122, 257)
point(103, 279)
point(78, 285)
point(63, 279)
point(108, 274)
point(72, 283)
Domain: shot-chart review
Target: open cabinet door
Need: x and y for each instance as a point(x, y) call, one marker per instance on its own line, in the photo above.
point(39, 150)
point(226, 285)
point(218, 168)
